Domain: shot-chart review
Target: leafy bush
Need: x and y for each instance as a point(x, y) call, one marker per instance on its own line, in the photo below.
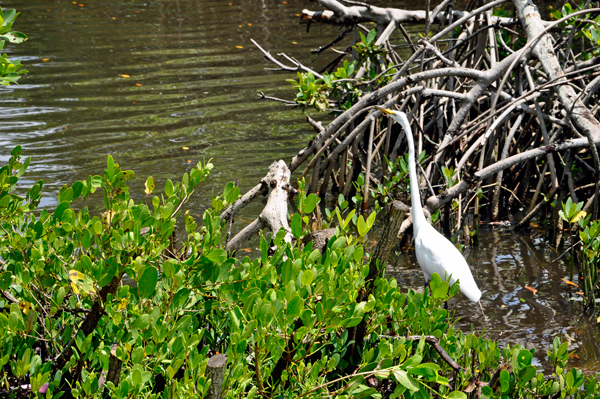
point(588, 248)
point(10, 70)
point(293, 323)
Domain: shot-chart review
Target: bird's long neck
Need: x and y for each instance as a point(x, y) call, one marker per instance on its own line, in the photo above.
point(415, 197)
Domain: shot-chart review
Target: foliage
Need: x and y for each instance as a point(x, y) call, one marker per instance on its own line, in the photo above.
point(286, 320)
point(395, 180)
point(588, 26)
point(337, 86)
point(588, 250)
point(10, 70)
point(340, 88)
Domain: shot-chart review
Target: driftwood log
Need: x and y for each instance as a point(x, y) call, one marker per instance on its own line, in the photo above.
point(274, 214)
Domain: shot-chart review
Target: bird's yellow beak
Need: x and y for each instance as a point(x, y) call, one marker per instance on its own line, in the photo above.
point(385, 111)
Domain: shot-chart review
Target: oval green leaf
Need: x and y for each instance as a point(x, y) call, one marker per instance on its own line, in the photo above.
point(147, 282)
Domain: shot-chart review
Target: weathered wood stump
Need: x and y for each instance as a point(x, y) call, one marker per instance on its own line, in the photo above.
point(215, 368)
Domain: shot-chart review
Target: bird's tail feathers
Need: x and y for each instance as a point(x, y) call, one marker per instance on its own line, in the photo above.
point(470, 289)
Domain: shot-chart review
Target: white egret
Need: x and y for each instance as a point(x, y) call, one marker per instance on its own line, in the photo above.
point(435, 253)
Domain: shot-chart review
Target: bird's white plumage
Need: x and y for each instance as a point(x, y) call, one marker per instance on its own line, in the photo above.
point(438, 255)
point(434, 252)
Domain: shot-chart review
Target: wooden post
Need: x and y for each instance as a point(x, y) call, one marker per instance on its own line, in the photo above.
point(216, 372)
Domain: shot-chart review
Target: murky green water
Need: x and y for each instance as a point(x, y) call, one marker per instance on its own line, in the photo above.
point(141, 80)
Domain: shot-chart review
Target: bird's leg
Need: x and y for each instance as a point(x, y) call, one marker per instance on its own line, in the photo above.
point(484, 316)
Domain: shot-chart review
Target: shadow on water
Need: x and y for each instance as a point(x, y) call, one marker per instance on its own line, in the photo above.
point(503, 264)
point(144, 79)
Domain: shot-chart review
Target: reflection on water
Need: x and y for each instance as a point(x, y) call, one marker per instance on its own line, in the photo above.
point(142, 79)
point(503, 264)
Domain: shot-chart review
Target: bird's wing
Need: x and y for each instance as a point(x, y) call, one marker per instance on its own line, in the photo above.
point(438, 255)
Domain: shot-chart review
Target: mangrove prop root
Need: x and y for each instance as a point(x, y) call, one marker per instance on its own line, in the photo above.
point(483, 111)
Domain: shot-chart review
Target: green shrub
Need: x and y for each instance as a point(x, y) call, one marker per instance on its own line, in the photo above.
point(294, 323)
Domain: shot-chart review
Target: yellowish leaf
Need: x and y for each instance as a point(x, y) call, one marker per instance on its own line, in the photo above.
point(185, 148)
point(124, 76)
point(25, 306)
point(581, 214)
point(76, 276)
point(239, 46)
point(75, 289)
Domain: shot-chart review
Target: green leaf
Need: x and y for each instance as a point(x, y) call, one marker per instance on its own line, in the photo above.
point(504, 381)
point(286, 272)
point(180, 298)
point(371, 219)
point(351, 322)
point(371, 36)
point(310, 203)
point(147, 282)
point(232, 195)
point(435, 281)
point(527, 373)
point(127, 174)
point(295, 306)
point(77, 188)
point(296, 225)
point(167, 211)
point(217, 255)
point(98, 227)
point(169, 191)
point(338, 243)
point(112, 267)
point(361, 226)
point(441, 291)
point(358, 253)
point(307, 277)
point(110, 166)
point(457, 395)
point(264, 249)
point(406, 380)
point(137, 355)
point(59, 210)
point(142, 322)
